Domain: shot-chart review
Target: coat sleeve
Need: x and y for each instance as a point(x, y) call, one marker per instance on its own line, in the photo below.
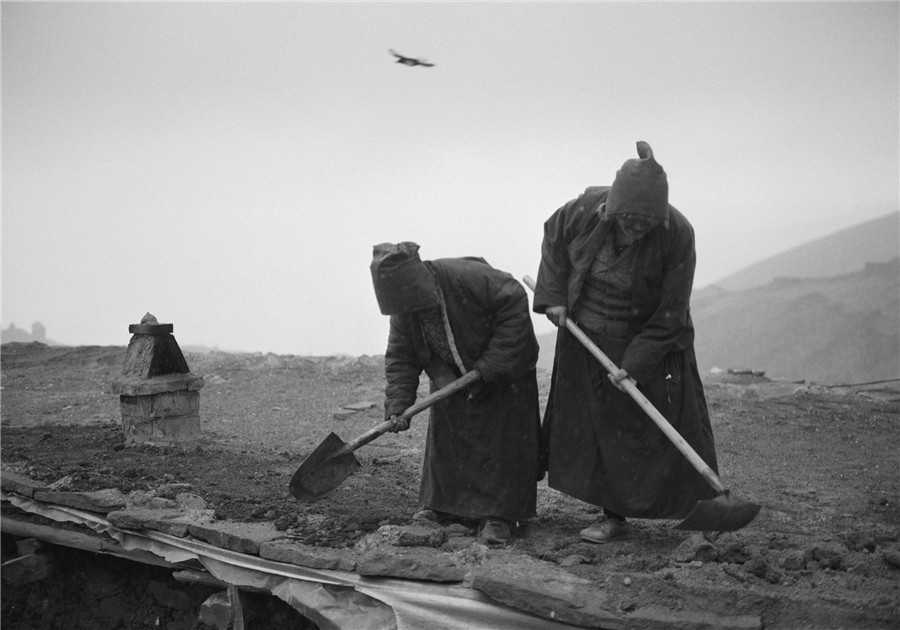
point(401, 369)
point(512, 348)
point(551, 287)
point(568, 234)
point(665, 328)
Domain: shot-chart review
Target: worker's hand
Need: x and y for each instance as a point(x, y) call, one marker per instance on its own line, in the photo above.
point(617, 377)
point(476, 391)
point(557, 315)
point(400, 424)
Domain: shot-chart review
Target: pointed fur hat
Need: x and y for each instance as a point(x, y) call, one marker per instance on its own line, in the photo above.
point(640, 187)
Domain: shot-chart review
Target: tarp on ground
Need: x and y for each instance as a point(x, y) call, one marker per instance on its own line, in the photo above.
point(334, 600)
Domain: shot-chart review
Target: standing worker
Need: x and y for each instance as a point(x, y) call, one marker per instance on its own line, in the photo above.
point(620, 262)
point(448, 317)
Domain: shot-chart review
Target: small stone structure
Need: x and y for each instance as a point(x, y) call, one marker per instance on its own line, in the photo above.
point(158, 395)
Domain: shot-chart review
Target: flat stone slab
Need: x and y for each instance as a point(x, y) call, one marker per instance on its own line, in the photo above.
point(421, 536)
point(172, 522)
point(308, 556)
point(102, 501)
point(240, 537)
point(547, 593)
point(136, 386)
point(151, 329)
point(20, 484)
point(427, 566)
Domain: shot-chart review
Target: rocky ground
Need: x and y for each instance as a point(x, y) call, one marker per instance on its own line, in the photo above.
point(824, 551)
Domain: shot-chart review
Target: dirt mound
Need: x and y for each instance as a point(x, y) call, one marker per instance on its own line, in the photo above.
point(823, 464)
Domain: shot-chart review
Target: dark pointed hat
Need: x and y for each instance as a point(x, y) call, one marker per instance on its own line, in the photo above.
point(640, 187)
point(403, 283)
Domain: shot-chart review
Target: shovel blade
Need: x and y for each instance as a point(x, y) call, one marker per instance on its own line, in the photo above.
point(724, 513)
point(323, 470)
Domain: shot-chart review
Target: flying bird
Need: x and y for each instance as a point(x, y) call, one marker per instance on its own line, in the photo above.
point(410, 61)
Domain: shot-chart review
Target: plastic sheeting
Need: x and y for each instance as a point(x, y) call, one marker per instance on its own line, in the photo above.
point(334, 600)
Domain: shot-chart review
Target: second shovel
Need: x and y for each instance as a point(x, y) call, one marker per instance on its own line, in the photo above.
point(333, 461)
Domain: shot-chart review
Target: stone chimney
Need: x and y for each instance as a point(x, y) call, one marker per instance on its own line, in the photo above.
point(158, 395)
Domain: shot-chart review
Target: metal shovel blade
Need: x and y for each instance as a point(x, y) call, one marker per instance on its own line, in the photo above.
point(724, 513)
point(323, 471)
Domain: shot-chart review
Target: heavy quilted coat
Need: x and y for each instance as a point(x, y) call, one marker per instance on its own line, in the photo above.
point(602, 448)
point(481, 452)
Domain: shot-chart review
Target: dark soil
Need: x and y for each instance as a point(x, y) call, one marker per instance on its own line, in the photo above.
point(823, 463)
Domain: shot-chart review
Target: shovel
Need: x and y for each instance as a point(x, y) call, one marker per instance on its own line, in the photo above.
point(725, 512)
point(333, 461)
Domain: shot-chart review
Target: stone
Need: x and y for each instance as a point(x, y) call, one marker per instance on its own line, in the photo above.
point(150, 328)
point(150, 355)
point(125, 386)
point(20, 484)
point(420, 536)
point(216, 611)
point(102, 501)
point(172, 522)
point(161, 430)
point(162, 405)
point(547, 593)
point(343, 414)
point(240, 537)
point(306, 556)
point(429, 567)
point(695, 547)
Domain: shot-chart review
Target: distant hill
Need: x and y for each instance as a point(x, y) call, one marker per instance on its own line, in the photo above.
point(844, 329)
point(838, 254)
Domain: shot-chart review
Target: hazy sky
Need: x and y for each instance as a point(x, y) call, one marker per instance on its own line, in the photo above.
point(229, 166)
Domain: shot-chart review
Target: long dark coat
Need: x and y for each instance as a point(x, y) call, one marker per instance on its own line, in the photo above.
point(602, 448)
point(481, 453)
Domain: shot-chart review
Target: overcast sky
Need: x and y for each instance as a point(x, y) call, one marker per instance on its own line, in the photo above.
point(229, 166)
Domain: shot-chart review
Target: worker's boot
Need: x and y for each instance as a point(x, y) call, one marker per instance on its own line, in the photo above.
point(494, 530)
point(605, 530)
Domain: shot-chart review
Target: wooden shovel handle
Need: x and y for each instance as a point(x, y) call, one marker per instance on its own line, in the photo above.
point(630, 386)
point(461, 383)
